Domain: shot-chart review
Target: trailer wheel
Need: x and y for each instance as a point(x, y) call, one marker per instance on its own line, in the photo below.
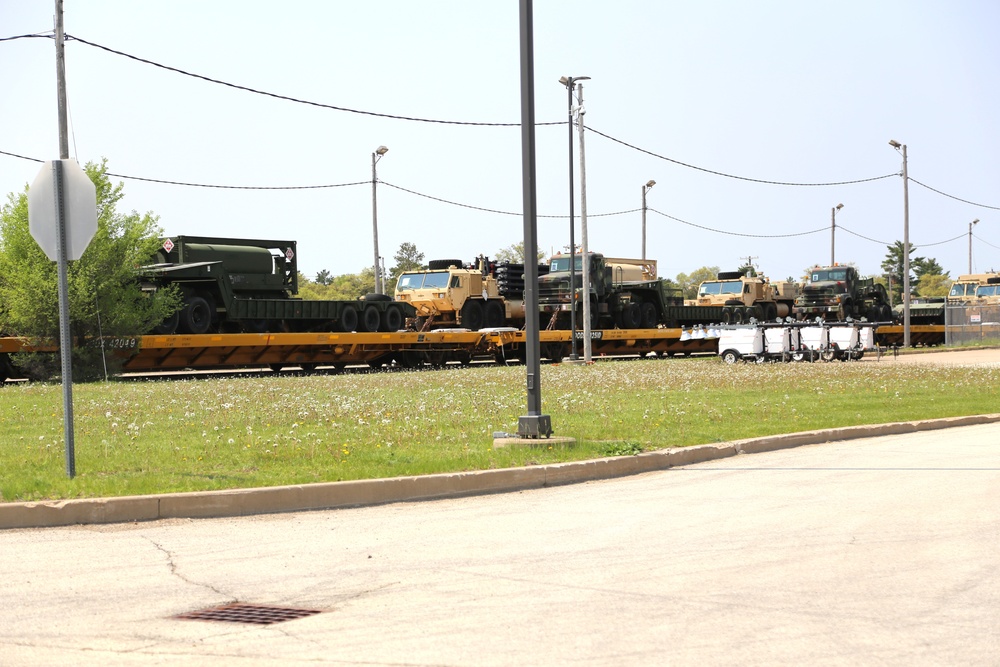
point(631, 316)
point(830, 353)
point(770, 312)
point(370, 319)
point(392, 319)
point(495, 316)
point(196, 316)
point(472, 315)
point(650, 318)
point(730, 356)
point(169, 325)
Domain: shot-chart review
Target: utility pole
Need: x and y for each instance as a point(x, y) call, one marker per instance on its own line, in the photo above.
point(970, 243)
point(376, 156)
point(649, 184)
point(749, 264)
point(587, 348)
point(833, 230)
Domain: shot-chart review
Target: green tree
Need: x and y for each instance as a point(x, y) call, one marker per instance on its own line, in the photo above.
point(689, 283)
point(515, 254)
point(934, 284)
point(323, 277)
point(104, 296)
point(919, 266)
point(407, 258)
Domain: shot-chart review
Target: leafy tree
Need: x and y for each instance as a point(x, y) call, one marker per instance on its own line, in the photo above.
point(689, 283)
point(323, 277)
point(919, 266)
point(515, 253)
point(748, 270)
point(104, 296)
point(934, 284)
point(407, 258)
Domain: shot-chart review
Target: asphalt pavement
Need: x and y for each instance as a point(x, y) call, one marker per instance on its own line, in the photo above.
point(873, 551)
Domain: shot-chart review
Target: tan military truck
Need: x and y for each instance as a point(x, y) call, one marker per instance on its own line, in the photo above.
point(450, 294)
point(964, 290)
point(745, 297)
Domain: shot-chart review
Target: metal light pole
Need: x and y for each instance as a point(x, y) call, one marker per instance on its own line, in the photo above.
point(376, 156)
point(833, 229)
point(569, 81)
point(970, 243)
point(906, 245)
point(587, 348)
point(646, 188)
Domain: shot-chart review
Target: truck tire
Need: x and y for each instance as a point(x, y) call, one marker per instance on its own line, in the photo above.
point(650, 318)
point(738, 316)
point(727, 315)
point(495, 315)
point(349, 318)
point(438, 264)
point(472, 315)
point(392, 319)
point(196, 316)
point(370, 319)
point(756, 312)
point(631, 316)
point(770, 312)
point(168, 326)
point(846, 310)
point(375, 296)
point(730, 356)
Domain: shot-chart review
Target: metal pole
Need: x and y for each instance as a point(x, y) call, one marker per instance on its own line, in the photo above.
point(572, 241)
point(587, 348)
point(534, 424)
point(970, 243)
point(906, 253)
point(62, 269)
point(833, 233)
point(644, 223)
point(61, 82)
point(378, 276)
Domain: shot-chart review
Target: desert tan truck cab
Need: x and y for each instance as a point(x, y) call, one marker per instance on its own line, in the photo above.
point(744, 297)
point(451, 294)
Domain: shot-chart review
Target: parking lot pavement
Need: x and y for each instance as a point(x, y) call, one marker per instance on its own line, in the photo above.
point(873, 551)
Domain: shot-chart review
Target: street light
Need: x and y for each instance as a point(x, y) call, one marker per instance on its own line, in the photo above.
point(906, 244)
point(376, 156)
point(646, 188)
point(569, 81)
point(970, 242)
point(833, 229)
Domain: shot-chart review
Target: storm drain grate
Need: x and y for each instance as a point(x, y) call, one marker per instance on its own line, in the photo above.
point(248, 613)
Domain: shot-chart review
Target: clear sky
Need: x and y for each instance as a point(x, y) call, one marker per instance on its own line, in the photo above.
point(800, 92)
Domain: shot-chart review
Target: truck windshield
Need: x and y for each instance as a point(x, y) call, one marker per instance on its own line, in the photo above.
point(429, 280)
point(822, 276)
point(986, 290)
point(958, 289)
point(727, 287)
point(562, 264)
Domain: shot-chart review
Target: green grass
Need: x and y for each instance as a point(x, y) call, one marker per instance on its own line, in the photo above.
point(166, 436)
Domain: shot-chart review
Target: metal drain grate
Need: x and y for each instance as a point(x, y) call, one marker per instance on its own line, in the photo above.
point(248, 613)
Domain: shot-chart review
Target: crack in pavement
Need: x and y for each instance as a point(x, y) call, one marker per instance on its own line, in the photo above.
point(174, 571)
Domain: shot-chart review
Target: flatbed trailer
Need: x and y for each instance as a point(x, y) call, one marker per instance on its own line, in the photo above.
point(920, 334)
point(410, 349)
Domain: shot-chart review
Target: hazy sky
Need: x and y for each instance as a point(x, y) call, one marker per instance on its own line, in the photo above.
point(800, 92)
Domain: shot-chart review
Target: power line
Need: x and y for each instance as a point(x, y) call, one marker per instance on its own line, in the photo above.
point(976, 236)
point(288, 98)
point(913, 246)
point(493, 210)
point(728, 233)
point(37, 34)
point(740, 178)
point(945, 194)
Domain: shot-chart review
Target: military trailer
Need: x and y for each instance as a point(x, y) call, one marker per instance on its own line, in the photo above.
point(249, 285)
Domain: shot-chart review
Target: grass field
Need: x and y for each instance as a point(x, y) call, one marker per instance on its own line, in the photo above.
point(185, 435)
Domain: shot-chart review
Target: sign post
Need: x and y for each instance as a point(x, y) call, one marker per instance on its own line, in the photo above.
point(62, 218)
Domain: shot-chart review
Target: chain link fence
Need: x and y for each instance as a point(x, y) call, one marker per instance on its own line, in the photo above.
point(966, 324)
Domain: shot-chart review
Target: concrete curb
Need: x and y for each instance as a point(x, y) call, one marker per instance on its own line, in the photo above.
point(333, 495)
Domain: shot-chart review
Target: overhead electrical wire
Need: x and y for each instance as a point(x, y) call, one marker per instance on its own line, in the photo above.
point(728, 233)
point(945, 194)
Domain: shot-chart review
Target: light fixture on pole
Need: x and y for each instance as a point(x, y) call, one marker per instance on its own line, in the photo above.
point(376, 156)
point(970, 242)
point(587, 347)
point(833, 230)
point(906, 244)
point(569, 82)
point(646, 188)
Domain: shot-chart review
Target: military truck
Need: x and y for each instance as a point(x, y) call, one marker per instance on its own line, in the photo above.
point(624, 293)
point(482, 294)
point(964, 289)
point(745, 297)
point(250, 285)
point(836, 293)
